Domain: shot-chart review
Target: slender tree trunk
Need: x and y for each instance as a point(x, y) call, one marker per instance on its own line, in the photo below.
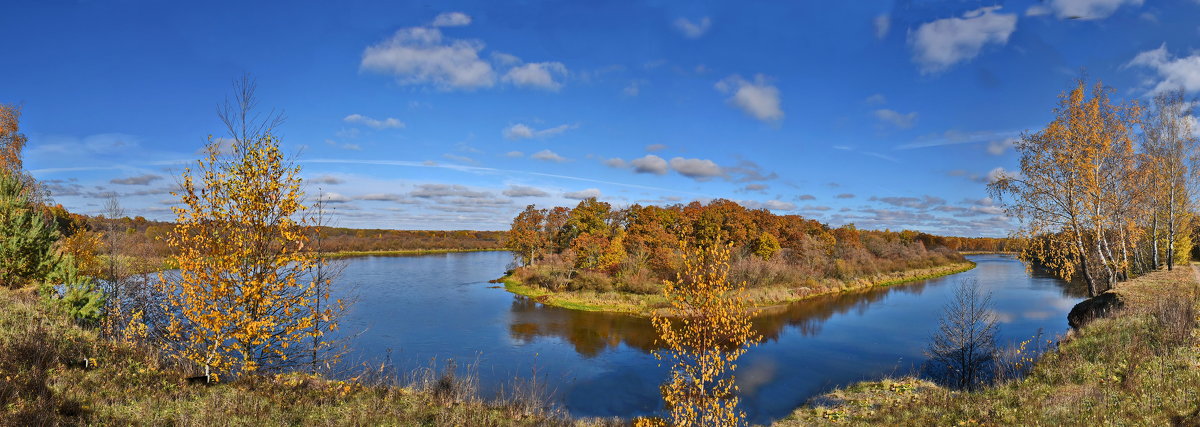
point(1083, 264)
point(1154, 236)
point(1171, 229)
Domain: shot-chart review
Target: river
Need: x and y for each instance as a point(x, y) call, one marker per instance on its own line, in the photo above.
point(412, 311)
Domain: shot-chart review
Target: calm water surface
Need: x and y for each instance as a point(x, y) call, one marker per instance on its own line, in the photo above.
point(412, 310)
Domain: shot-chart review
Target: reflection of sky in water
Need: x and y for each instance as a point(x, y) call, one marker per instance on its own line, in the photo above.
point(599, 364)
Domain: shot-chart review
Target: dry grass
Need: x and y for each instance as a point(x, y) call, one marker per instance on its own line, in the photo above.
point(1141, 367)
point(52, 372)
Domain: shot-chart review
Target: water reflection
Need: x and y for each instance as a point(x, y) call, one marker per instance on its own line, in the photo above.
point(415, 309)
point(591, 332)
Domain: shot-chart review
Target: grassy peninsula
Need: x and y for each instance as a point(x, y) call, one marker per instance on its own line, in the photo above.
point(763, 297)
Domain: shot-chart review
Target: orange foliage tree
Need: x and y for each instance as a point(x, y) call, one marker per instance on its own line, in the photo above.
point(1070, 187)
point(243, 299)
point(706, 330)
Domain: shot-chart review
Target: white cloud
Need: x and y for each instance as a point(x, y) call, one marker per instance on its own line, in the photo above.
point(451, 19)
point(537, 75)
point(775, 205)
point(876, 99)
point(420, 56)
point(693, 30)
point(698, 169)
point(1037, 10)
point(548, 156)
point(582, 194)
point(900, 120)
point(375, 123)
point(942, 43)
point(998, 174)
point(520, 191)
point(514, 154)
point(656, 147)
point(1175, 73)
point(757, 98)
point(523, 131)
point(998, 147)
point(1088, 9)
point(649, 164)
point(882, 24)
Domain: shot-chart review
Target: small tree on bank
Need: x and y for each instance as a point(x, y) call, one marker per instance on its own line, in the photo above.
point(245, 297)
point(242, 297)
point(963, 349)
point(707, 330)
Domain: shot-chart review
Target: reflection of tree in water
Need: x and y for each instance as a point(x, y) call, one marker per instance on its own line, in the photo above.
point(593, 332)
point(589, 332)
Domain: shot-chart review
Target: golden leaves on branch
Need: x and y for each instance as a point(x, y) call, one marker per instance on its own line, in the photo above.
point(243, 297)
point(707, 329)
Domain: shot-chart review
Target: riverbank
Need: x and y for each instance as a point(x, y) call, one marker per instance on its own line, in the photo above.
point(47, 382)
point(760, 298)
point(404, 252)
point(1139, 367)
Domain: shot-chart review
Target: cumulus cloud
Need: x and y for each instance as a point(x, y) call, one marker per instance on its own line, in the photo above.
point(998, 174)
point(582, 194)
point(451, 19)
point(882, 24)
point(942, 43)
point(521, 191)
point(757, 98)
point(137, 180)
point(998, 147)
point(698, 169)
point(900, 120)
point(806, 197)
point(548, 156)
point(375, 123)
point(421, 55)
point(876, 99)
point(844, 196)
point(523, 131)
point(1087, 9)
point(1174, 73)
point(693, 30)
point(649, 164)
point(539, 75)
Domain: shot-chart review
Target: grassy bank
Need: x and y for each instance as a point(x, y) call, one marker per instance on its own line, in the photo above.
point(403, 252)
point(760, 297)
point(1140, 367)
point(44, 380)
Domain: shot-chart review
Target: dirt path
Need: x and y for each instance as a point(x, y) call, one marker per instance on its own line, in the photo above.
point(1195, 271)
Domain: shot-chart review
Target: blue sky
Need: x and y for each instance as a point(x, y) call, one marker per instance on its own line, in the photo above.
point(453, 115)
